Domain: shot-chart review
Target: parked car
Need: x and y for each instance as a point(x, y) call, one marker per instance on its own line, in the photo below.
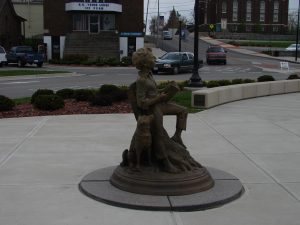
point(292, 48)
point(216, 54)
point(167, 35)
point(175, 62)
point(2, 56)
point(23, 55)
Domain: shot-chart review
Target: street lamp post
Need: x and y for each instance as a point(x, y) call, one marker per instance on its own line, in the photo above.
point(179, 49)
point(195, 79)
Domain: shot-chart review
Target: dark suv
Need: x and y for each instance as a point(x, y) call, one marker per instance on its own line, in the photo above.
point(216, 54)
point(175, 62)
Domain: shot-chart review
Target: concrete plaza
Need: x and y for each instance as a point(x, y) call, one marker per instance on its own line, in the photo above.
point(42, 160)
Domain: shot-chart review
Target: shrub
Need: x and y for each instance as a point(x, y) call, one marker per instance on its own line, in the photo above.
point(237, 81)
point(224, 82)
point(107, 89)
point(183, 84)
point(248, 81)
point(66, 93)
point(100, 61)
point(75, 58)
point(41, 92)
point(112, 61)
point(101, 100)
point(265, 78)
point(293, 76)
point(6, 103)
point(126, 61)
point(48, 102)
point(83, 94)
point(212, 83)
point(119, 95)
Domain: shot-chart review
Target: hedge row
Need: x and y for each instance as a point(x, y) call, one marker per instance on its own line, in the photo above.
point(84, 60)
point(264, 78)
point(45, 99)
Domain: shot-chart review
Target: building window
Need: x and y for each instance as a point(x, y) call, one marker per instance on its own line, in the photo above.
point(224, 7)
point(248, 11)
point(262, 11)
point(80, 22)
point(107, 22)
point(235, 10)
point(275, 29)
point(276, 11)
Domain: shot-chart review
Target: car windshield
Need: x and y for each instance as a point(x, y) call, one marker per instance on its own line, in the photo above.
point(171, 56)
point(2, 50)
point(215, 49)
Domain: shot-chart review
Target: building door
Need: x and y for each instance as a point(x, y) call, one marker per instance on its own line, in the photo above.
point(94, 24)
point(55, 47)
point(131, 45)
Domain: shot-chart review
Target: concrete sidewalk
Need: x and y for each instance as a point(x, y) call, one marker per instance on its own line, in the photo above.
point(246, 51)
point(42, 160)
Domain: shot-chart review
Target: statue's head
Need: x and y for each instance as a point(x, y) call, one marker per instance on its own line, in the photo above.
point(143, 59)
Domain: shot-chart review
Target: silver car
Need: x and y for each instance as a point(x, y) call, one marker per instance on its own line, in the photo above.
point(292, 48)
point(3, 59)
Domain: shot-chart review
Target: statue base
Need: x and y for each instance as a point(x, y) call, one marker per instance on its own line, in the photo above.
point(97, 186)
point(150, 182)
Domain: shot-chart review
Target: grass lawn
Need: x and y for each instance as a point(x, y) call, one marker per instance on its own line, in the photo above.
point(4, 73)
point(263, 43)
point(184, 98)
point(19, 101)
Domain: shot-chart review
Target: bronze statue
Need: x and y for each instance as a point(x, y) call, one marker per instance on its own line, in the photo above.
point(153, 154)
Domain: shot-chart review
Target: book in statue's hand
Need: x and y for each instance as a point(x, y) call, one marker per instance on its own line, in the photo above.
point(171, 90)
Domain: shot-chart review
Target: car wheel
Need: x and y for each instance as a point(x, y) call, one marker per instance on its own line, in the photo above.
point(1, 64)
point(175, 70)
point(39, 64)
point(225, 62)
point(155, 72)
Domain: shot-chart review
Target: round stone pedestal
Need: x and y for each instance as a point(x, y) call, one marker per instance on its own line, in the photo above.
point(149, 182)
point(226, 188)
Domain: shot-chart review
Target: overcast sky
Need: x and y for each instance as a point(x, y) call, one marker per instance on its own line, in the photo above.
point(185, 7)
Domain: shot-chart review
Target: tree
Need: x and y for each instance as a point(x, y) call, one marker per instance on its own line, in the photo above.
point(292, 21)
point(153, 25)
point(173, 21)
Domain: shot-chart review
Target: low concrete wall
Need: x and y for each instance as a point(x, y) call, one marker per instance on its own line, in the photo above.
point(210, 97)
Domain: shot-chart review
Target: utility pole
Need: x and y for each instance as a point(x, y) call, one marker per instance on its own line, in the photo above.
point(195, 80)
point(297, 33)
point(147, 16)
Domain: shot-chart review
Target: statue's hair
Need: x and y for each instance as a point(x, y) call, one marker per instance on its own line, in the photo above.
point(143, 58)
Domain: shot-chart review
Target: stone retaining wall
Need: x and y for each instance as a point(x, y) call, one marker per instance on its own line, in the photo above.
point(210, 97)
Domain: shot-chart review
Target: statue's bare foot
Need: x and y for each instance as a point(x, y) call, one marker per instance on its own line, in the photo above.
point(178, 140)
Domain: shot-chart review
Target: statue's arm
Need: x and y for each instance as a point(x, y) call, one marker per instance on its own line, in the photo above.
point(141, 94)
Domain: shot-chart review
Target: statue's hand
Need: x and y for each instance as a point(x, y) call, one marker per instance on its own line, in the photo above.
point(163, 96)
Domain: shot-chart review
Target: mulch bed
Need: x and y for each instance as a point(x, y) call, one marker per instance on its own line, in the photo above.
point(71, 107)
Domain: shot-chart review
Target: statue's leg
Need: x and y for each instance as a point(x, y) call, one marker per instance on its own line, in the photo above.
point(181, 115)
point(159, 137)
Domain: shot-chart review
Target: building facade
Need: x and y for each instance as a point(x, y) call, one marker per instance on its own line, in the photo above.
point(97, 28)
point(255, 16)
point(10, 25)
point(33, 12)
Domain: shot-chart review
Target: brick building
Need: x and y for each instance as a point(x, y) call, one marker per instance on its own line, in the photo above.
point(256, 16)
point(97, 28)
point(10, 25)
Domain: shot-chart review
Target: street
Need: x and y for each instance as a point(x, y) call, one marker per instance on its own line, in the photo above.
point(238, 66)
